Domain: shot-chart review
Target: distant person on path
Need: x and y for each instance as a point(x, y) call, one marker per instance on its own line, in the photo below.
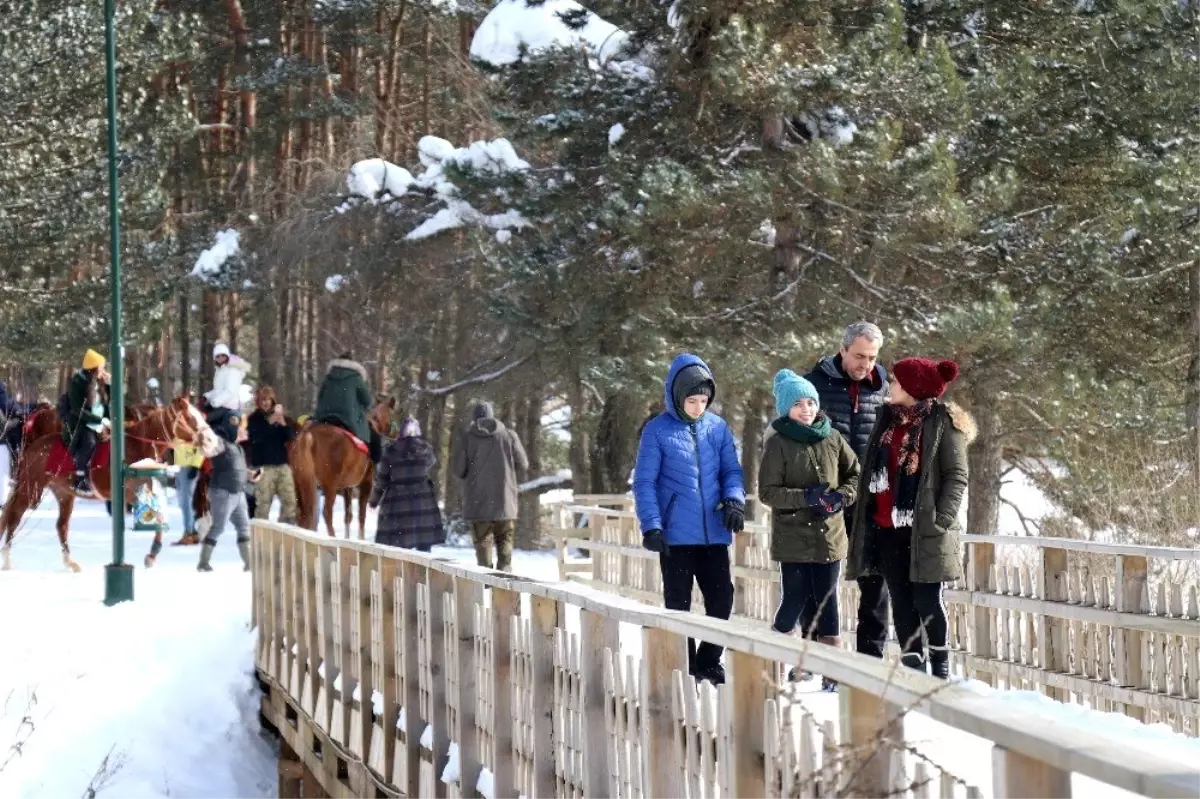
point(228, 377)
point(85, 419)
point(853, 387)
point(405, 495)
point(187, 459)
point(490, 458)
point(154, 392)
point(690, 497)
point(906, 524)
point(344, 400)
point(808, 476)
point(269, 434)
point(226, 489)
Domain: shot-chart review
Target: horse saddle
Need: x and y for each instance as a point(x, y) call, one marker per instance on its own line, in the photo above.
point(60, 464)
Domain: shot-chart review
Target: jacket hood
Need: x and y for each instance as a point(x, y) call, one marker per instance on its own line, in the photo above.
point(486, 426)
point(342, 363)
point(963, 421)
point(680, 363)
point(831, 366)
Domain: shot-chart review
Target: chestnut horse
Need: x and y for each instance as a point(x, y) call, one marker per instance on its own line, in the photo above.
point(146, 438)
point(323, 456)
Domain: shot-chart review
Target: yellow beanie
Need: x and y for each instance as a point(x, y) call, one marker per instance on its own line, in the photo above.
point(93, 360)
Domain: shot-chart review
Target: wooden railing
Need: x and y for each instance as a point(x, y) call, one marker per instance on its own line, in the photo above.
point(1112, 626)
point(391, 673)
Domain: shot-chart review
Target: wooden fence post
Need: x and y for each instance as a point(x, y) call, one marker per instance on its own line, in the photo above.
point(1021, 777)
point(750, 689)
point(1056, 656)
point(411, 576)
point(981, 558)
point(467, 594)
point(1129, 668)
point(597, 632)
point(544, 624)
point(871, 729)
point(663, 653)
point(506, 611)
point(388, 569)
point(439, 584)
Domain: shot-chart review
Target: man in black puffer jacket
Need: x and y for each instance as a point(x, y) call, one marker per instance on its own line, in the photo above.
point(853, 388)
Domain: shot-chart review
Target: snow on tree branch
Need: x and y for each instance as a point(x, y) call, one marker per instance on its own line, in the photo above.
point(377, 181)
point(210, 266)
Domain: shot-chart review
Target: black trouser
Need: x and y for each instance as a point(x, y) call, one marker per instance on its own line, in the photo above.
point(871, 632)
point(916, 607)
point(809, 596)
point(83, 447)
point(709, 567)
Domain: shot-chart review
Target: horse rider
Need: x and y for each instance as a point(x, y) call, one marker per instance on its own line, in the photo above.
point(86, 418)
point(344, 400)
point(227, 379)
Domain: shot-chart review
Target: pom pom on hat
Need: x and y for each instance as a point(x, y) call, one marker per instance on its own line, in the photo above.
point(924, 379)
point(93, 360)
point(789, 388)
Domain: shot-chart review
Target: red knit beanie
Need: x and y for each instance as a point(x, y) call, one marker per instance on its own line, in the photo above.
point(924, 379)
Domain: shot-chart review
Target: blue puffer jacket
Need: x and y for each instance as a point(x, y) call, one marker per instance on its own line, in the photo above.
point(685, 470)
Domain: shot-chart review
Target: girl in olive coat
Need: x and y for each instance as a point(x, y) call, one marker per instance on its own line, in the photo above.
point(906, 523)
point(807, 475)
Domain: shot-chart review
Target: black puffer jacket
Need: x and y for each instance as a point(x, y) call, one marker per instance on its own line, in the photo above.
point(834, 387)
point(229, 466)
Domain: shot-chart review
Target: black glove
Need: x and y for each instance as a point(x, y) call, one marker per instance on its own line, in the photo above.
point(832, 502)
point(735, 515)
point(653, 540)
point(813, 495)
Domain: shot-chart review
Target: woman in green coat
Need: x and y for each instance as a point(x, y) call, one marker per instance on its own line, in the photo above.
point(807, 475)
point(907, 529)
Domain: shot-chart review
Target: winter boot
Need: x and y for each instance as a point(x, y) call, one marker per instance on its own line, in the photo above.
point(939, 662)
point(82, 486)
point(244, 551)
point(189, 539)
point(828, 685)
point(206, 552)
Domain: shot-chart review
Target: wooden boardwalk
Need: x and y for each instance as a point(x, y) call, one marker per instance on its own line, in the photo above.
point(391, 673)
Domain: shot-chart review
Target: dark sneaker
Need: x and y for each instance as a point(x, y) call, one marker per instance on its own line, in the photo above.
point(799, 676)
point(829, 686)
point(83, 486)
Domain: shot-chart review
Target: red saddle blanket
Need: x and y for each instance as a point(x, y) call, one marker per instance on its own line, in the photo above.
point(358, 443)
point(60, 464)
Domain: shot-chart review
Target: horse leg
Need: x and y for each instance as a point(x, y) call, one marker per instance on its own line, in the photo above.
point(25, 494)
point(363, 496)
point(66, 503)
point(330, 496)
point(348, 508)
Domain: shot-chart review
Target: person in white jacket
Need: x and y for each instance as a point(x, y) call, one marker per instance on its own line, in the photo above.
point(227, 379)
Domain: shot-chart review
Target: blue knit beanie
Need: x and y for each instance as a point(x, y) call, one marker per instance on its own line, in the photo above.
point(789, 389)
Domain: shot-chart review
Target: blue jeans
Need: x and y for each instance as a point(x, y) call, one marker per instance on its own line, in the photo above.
point(184, 488)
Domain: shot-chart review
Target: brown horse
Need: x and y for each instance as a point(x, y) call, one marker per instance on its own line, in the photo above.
point(146, 438)
point(323, 456)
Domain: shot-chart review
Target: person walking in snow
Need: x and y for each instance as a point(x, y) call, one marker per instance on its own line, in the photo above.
point(808, 476)
point(490, 458)
point(268, 435)
point(853, 387)
point(403, 491)
point(690, 499)
point(230, 372)
point(226, 489)
point(906, 527)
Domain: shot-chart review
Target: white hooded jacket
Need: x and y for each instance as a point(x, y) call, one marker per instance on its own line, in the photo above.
point(227, 381)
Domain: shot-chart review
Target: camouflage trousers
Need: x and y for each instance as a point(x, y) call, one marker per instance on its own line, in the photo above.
point(276, 481)
point(500, 534)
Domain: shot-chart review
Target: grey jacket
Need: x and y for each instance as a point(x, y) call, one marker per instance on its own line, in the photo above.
point(490, 458)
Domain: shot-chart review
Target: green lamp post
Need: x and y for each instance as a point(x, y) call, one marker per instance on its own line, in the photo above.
point(118, 575)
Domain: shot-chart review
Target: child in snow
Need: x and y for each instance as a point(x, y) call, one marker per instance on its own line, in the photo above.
point(227, 489)
point(807, 475)
point(690, 498)
point(914, 475)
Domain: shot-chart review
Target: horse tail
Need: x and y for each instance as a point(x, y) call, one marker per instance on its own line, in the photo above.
point(305, 475)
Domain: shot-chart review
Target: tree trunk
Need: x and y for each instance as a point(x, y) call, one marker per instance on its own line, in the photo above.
point(268, 338)
point(529, 530)
point(616, 443)
point(1193, 382)
point(185, 343)
point(986, 462)
point(752, 432)
point(578, 451)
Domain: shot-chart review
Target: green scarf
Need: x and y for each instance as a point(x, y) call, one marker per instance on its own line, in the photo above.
point(819, 430)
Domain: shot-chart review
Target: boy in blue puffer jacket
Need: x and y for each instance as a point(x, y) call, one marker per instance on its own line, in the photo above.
point(690, 498)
